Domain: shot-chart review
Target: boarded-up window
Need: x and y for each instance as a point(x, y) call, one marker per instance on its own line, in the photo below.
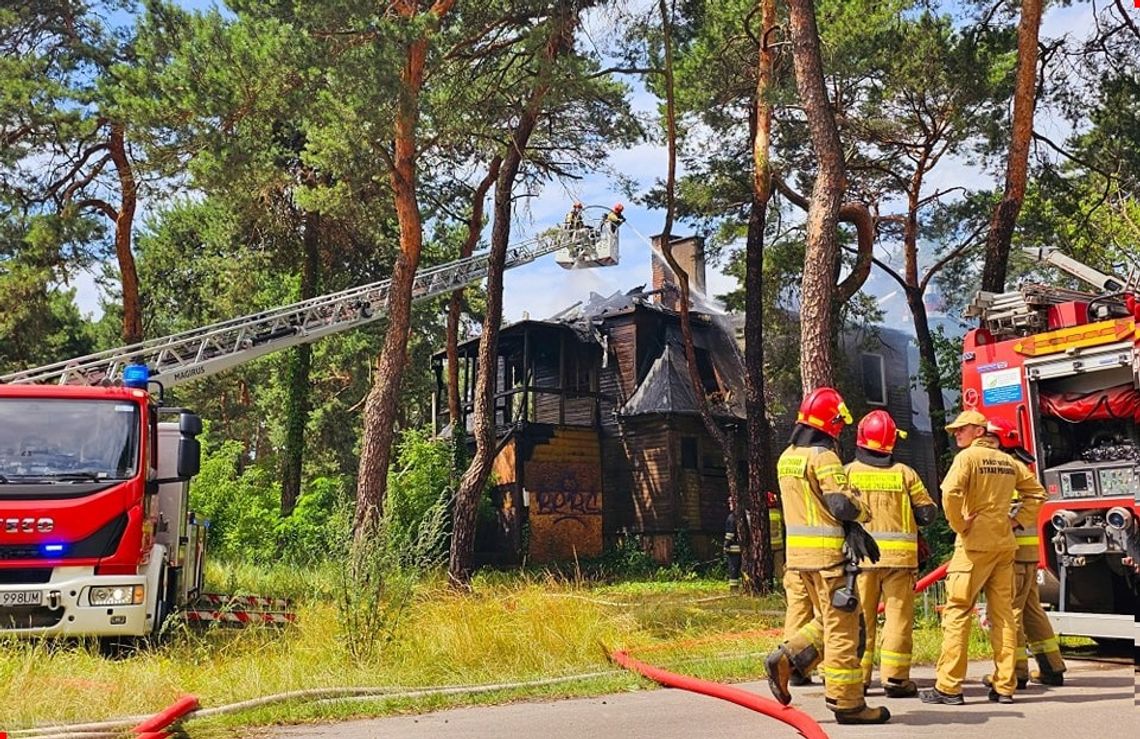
point(874, 379)
point(689, 452)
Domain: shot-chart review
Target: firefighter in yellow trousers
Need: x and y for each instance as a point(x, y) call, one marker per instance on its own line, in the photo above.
point(820, 513)
point(899, 504)
point(976, 496)
point(799, 610)
point(1032, 623)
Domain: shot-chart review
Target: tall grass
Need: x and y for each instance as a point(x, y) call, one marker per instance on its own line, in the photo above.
point(508, 628)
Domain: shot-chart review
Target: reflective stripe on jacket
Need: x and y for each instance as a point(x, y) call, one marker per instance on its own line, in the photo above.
point(892, 493)
point(1025, 531)
point(814, 539)
point(776, 527)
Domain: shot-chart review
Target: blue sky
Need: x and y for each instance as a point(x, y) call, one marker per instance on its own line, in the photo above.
point(542, 288)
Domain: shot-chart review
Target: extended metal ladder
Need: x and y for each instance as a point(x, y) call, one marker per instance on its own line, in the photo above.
point(205, 351)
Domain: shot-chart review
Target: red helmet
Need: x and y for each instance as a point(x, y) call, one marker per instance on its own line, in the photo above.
point(825, 410)
point(877, 431)
point(1005, 431)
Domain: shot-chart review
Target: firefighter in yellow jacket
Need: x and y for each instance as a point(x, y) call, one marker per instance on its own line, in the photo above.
point(899, 504)
point(976, 496)
point(820, 511)
point(1032, 624)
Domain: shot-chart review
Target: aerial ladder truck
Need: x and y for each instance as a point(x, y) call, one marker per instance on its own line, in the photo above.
point(1063, 366)
point(96, 534)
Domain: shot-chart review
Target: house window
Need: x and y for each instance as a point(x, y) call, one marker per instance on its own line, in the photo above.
point(580, 381)
point(874, 379)
point(689, 452)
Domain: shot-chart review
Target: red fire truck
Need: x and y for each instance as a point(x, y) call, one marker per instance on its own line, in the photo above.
point(1064, 367)
point(96, 534)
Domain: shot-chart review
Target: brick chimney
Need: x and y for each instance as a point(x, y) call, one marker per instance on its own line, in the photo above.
point(689, 251)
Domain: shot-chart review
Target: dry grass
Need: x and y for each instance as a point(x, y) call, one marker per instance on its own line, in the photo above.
point(510, 628)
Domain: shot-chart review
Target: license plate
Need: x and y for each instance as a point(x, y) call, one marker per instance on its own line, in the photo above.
point(21, 598)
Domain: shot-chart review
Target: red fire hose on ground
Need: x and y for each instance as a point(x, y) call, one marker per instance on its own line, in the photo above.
point(926, 581)
point(155, 727)
point(794, 717)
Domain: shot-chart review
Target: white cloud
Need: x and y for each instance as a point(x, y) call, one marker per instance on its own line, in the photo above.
point(87, 295)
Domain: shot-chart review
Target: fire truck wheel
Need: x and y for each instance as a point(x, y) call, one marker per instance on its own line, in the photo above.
point(161, 611)
point(119, 647)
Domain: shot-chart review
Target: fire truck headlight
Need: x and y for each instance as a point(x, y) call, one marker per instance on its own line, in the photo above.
point(1119, 519)
point(116, 595)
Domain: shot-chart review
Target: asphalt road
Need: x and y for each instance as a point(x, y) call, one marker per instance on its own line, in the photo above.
point(1097, 697)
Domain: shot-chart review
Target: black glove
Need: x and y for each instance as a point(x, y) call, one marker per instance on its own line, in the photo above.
point(859, 544)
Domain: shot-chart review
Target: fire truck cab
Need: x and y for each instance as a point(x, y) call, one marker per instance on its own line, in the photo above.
point(1064, 367)
point(95, 536)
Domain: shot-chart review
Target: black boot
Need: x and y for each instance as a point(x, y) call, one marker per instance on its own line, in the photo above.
point(798, 679)
point(1022, 682)
point(863, 715)
point(1046, 675)
point(900, 688)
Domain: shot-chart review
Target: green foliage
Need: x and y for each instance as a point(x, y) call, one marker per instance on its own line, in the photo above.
point(420, 486)
point(242, 503)
point(318, 524)
point(374, 591)
point(239, 503)
point(625, 558)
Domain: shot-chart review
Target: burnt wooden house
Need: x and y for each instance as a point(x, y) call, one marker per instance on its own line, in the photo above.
point(598, 428)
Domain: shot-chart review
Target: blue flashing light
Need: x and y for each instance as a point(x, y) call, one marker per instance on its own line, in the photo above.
point(53, 548)
point(136, 376)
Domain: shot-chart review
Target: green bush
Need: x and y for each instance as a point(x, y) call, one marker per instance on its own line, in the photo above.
point(242, 508)
point(244, 511)
point(319, 522)
point(420, 490)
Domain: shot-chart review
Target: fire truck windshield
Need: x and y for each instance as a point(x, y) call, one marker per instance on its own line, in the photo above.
point(64, 440)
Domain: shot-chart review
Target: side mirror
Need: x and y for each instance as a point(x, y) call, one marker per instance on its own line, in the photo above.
point(189, 424)
point(189, 457)
point(189, 448)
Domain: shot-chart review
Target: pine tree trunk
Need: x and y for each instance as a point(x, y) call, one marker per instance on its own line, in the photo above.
point(124, 224)
point(817, 310)
point(928, 376)
point(461, 560)
point(753, 529)
point(380, 406)
point(1004, 219)
point(297, 402)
